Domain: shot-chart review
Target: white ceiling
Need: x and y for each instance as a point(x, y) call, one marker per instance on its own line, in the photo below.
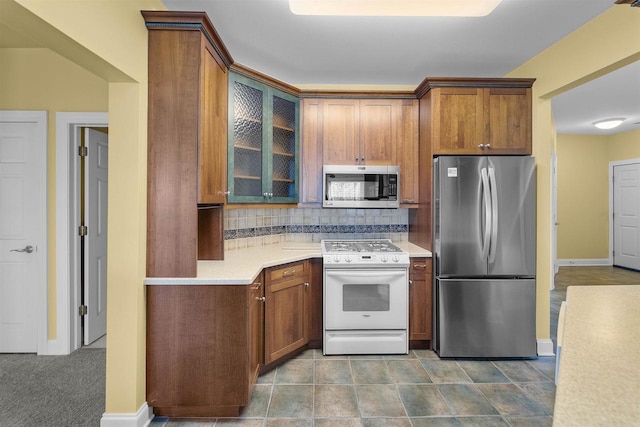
point(402, 51)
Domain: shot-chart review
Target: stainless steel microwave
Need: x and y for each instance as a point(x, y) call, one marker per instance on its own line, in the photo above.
point(359, 186)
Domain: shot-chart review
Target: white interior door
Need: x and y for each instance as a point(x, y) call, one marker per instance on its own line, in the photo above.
point(22, 237)
point(626, 215)
point(95, 199)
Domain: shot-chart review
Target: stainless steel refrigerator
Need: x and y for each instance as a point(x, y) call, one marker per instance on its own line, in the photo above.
point(484, 253)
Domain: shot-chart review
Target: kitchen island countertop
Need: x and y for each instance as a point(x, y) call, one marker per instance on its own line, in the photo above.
point(242, 266)
point(599, 375)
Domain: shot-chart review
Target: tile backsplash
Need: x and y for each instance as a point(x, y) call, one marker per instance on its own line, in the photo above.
point(265, 226)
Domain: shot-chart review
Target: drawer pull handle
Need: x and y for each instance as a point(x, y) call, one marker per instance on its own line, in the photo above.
point(257, 286)
point(419, 265)
point(289, 272)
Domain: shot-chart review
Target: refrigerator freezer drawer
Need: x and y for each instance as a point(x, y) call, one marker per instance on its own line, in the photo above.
point(485, 318)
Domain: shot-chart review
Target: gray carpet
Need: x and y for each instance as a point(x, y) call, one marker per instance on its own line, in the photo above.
point(52, 391)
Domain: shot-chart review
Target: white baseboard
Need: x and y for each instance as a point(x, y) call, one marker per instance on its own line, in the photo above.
point(544, 347)
point(583, 262)
point(140, 419)
point(54, 348)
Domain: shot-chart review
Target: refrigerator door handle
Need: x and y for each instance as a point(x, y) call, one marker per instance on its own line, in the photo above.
point(494, 215)
point(486, 241)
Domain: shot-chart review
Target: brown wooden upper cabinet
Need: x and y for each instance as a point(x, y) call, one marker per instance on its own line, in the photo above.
point(212, 153)
point(480, 116)
point(187, 148)
point(359, 132)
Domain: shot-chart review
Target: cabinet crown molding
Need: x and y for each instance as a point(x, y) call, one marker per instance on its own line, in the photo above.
point(198, 21)
point(488, 82)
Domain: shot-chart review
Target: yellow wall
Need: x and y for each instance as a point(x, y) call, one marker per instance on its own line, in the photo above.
point(108, 38)
point(624, 146)
point(604, 44)
point(40, 79)
point(583, 197)
point(583, 190)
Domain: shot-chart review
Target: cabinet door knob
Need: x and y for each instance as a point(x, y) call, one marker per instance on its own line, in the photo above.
point(357, 159)
point(263, 299)
point(480, 145)
point(488, 146)
point(306, 284)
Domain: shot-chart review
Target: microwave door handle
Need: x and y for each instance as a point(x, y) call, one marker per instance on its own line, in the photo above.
point(486, 196)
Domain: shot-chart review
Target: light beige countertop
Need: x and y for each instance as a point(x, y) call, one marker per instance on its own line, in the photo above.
point(242, 266)
point(599, 374)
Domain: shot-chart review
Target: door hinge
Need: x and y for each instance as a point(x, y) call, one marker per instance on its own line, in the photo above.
point(83, 230)
point(82, 151)
point(83, 310)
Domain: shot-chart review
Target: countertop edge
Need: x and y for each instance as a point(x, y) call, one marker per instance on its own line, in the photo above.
point(242, 266)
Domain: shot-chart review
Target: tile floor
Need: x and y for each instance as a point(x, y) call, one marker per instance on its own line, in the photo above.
point(417, 390)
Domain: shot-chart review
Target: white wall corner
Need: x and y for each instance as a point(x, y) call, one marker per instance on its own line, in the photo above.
point(584, 262)
point(544, 347)
point(142, 418)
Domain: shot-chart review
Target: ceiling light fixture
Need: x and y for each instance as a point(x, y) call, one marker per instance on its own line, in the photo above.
point(608, 123)
point(394, 7)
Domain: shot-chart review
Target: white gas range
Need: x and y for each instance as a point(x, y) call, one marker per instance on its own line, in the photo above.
point(366, 293)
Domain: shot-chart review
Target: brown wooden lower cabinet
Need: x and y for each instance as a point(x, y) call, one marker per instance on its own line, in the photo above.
point(256, 327)
point(206, 344)
point(420, 303)
point(204, 348)
point(315, 332)
point(287, 309)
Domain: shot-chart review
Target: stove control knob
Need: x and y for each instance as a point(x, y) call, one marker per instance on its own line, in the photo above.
point(348, 258)
point(383, 258)
point(395, 258)
point(336, 258)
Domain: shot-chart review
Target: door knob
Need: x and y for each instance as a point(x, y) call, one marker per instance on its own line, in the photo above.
point(28, 249)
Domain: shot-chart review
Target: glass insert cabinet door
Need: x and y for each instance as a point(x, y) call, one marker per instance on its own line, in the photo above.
point(263, 143)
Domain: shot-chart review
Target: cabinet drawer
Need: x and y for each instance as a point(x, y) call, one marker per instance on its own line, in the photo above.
point(420, 266)
point(287, 271)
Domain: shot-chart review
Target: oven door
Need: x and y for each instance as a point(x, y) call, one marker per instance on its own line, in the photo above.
point(366, 299)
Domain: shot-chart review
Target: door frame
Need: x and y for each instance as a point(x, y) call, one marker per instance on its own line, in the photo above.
point(554, 218)
point(611, 231)
point(68, 127)
point(42, 287)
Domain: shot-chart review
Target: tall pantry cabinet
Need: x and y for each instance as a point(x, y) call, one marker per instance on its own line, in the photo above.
point(188, 73)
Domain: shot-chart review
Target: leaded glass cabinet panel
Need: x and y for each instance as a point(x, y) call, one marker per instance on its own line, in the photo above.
point(263, 143)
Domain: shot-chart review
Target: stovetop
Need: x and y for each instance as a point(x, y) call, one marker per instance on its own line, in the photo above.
point(341, 246)
point(358, 253)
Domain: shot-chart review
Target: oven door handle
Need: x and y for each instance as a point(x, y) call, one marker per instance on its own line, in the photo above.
point(366, 273)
